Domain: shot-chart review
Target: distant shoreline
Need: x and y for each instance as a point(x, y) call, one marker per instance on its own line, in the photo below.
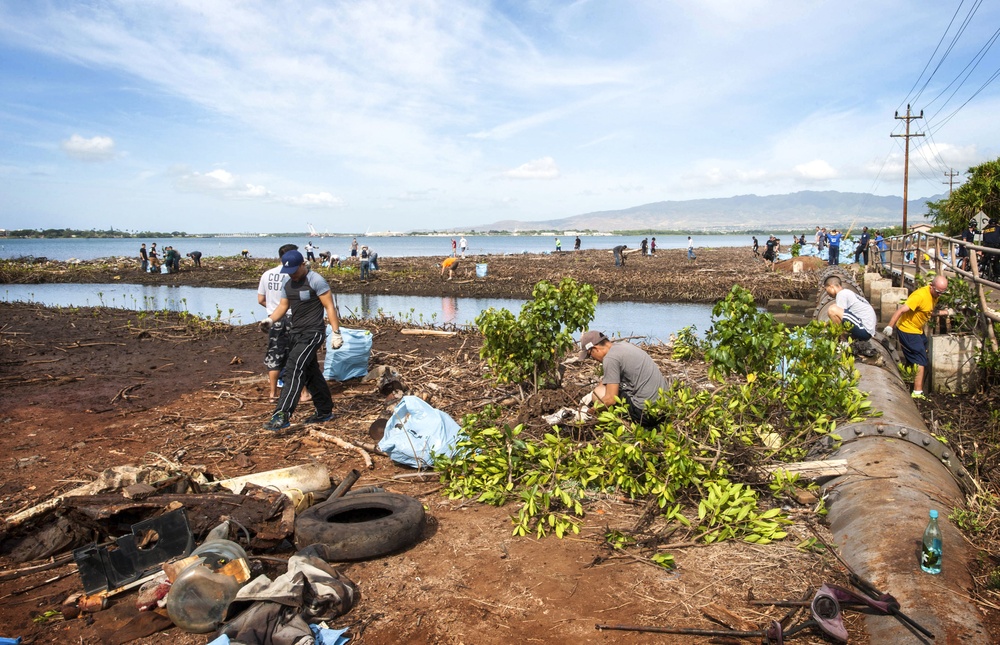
point(540, 233)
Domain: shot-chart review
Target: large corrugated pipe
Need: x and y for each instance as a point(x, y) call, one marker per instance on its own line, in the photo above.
point(897, 472)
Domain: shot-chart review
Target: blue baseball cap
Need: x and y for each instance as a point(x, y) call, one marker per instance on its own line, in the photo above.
point(291, 261)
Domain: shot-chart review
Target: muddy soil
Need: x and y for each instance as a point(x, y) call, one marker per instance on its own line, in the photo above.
point(88, 389)
point(667, 276)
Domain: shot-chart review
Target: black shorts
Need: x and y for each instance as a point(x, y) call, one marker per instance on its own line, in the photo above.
point(277, 346)
point(641, 416)
point(914, 347)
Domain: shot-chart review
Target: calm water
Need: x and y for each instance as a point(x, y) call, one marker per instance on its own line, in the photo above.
point(239, 306)
point(89, 249)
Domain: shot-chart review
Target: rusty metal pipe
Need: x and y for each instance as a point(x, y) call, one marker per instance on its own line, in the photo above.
point(878, 512)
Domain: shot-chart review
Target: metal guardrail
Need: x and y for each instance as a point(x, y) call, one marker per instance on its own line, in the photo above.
point(933, 253)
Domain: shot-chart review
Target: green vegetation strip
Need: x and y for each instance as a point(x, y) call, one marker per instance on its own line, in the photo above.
point(781, 390)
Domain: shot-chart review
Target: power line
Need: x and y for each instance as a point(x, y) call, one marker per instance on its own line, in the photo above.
point(992, 78)
point(964, 74)
point(934, 53)
point(951, 46)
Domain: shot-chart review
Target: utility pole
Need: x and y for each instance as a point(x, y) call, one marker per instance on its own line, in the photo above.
point(906, 157)
point(951, 174)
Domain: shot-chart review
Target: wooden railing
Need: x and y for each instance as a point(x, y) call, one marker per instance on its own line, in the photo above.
point(914, 253)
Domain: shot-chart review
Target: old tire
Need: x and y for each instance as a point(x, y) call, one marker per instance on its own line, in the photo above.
point(358, 527)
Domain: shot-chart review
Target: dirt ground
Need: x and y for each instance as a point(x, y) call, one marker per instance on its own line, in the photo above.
point(88, 389)
point(667, 276)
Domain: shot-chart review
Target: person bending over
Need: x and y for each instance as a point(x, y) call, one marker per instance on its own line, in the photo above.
point(909, 321)
point(849, 307)
point(629, 373)
point(448, 267)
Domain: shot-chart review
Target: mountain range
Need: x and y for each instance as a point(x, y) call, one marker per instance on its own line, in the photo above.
point(805, 209)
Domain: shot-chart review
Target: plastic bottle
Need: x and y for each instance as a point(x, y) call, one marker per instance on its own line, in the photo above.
point(200, 596)
point(930, 552)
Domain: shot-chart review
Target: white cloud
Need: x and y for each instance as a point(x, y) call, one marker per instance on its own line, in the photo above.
point(816, 169)
point(218, 182)
point(414, 196)
point(93, 149)
point(316, 200)
point(225, 185)
point(544, 168)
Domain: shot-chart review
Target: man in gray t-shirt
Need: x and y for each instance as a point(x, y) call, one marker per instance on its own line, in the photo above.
point(308, 297)
point(629, 373)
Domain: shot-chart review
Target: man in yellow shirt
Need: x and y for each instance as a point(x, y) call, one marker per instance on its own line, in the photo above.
point(910, 319)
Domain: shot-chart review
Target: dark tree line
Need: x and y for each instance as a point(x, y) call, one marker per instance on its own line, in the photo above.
point(93, 233)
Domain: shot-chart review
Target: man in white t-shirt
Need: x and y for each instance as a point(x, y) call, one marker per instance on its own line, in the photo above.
point(849, 307)
point(463, 243)
point(269, 296)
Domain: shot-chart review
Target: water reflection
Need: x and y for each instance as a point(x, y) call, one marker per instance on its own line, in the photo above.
point(449, 309)
point(239, 306)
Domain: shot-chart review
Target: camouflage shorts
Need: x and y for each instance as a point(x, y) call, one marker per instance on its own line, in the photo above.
point(277, 346)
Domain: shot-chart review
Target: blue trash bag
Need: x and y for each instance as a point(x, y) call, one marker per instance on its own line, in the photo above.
point(351, 360)
point(415, 430)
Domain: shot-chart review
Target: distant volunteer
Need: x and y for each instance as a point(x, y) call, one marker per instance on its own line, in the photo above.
point(448, 266)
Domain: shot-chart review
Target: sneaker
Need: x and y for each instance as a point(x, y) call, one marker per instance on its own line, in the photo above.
point(917, 394)
point(316, 417)
point(279, 421)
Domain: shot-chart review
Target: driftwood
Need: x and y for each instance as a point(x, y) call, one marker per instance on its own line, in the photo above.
point(343, 444)
point(725, 617)
point(428, 332)
point(812, 469)
point(54, 563)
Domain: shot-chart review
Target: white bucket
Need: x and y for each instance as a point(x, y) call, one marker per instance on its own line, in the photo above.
point(481, 270)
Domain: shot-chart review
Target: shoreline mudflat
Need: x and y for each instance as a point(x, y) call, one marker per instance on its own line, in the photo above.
point(667, 276)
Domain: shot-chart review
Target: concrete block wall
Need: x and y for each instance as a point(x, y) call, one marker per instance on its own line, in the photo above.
point(953, 368)
point(878, 287)
point(891, 299)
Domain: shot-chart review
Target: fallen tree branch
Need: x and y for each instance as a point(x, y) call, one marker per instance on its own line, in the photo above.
point(123, 393)
point(66, 558)
point(343, 444)
point(427, 332)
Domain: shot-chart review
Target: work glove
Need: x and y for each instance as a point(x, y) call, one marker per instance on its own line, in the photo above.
point(336, 340)
point(265, 324)
point(887, 332)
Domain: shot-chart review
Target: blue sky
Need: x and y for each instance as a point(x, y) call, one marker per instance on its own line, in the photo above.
point(266, 115)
